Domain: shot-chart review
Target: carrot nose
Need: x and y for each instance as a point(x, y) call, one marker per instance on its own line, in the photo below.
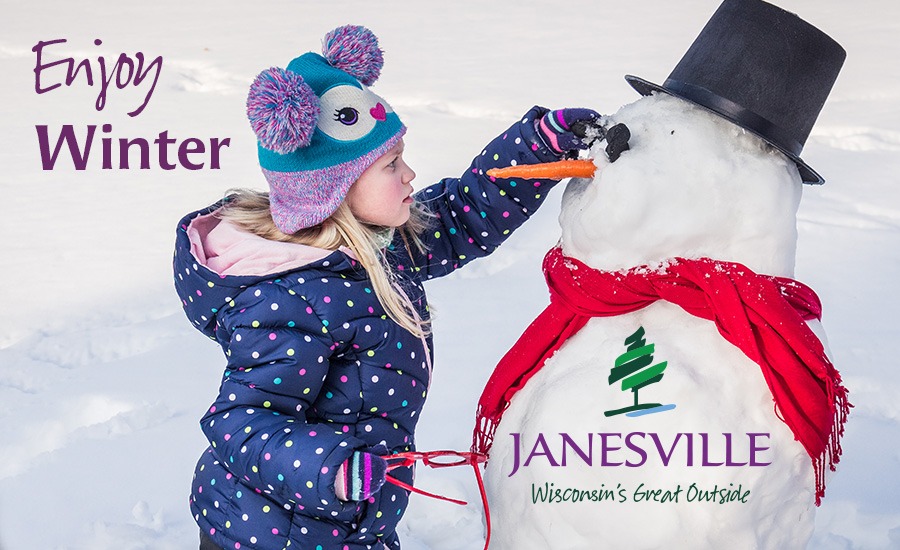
point(578, 168)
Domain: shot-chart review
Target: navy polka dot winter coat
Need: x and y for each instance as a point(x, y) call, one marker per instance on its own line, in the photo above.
point(316, 370)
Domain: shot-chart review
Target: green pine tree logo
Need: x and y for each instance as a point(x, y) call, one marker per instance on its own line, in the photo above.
point(634, 370)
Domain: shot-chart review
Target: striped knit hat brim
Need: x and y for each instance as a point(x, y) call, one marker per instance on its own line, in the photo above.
point(307, 198)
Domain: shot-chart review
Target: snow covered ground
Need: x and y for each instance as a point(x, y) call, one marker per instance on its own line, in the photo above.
point(102, 380)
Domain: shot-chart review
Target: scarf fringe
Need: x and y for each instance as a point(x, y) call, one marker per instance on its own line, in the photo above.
point(483, 436)
point(831, 456)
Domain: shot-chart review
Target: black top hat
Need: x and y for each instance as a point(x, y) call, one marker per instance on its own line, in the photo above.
point(762, 68)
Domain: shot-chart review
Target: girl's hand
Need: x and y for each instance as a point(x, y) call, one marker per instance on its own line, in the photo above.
point(567, 130)
point(360, 476)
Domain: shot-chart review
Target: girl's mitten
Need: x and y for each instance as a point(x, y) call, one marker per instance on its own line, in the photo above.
point(360, 476)
point(563, 130)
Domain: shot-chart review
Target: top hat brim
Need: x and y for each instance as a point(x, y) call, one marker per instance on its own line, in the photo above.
point(719, 106)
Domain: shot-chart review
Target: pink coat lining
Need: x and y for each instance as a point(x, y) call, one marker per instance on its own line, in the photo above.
point(226, 249)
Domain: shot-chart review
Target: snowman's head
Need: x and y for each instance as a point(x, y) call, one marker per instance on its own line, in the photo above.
point(691, 185)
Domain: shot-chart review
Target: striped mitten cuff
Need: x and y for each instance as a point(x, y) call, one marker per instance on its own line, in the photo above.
point(360, 476)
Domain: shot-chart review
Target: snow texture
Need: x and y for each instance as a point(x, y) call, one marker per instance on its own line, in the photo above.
point(104, 380)
point(692, 185)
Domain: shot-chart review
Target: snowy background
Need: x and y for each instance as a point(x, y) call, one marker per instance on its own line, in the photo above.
point(102, 379)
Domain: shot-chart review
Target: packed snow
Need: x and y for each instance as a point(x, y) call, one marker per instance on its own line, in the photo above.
point(691, 186)
point(104, 380)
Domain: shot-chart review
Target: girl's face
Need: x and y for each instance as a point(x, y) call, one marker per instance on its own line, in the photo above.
point(382, 194)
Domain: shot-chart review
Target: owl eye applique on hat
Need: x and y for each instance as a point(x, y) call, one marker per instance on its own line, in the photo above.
point(328, 92)
point(319, 126)
point(350, 113)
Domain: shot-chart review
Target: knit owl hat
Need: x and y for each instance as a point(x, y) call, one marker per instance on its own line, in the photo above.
point(319, 126)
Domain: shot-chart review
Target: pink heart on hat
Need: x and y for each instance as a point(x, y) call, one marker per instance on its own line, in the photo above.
point(378, 112)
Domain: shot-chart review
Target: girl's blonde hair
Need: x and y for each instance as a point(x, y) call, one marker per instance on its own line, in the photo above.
point(249, 209)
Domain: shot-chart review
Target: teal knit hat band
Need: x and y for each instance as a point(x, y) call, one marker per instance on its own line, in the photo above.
point(319, 127)
point(319, 74)
point(350, 122)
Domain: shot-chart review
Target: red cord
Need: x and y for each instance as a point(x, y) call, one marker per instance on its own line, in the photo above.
point(409, 487)
point(408, 459)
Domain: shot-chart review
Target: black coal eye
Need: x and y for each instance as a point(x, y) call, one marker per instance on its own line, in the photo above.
point(347, 115)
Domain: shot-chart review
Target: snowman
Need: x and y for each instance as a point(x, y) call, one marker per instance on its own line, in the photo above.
point(677, 392)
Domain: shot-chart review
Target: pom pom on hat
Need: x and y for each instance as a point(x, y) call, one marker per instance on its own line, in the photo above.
point(310, 168)
point(354, 50)
point(283, 110)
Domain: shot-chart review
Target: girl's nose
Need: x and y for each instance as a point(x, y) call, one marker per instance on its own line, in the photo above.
point(409, 175)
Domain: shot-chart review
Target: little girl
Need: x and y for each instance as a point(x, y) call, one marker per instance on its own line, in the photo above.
point(314, 291)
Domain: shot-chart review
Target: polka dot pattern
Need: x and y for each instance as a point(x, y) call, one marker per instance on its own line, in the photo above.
point(476, 213)
point(316, 369)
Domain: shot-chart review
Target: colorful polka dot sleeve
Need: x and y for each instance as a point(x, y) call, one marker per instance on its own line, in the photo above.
point(476, 213)
point(278, 359)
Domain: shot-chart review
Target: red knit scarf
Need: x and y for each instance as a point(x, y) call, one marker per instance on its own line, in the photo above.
point(763, 316)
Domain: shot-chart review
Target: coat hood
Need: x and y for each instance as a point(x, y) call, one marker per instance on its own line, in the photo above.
point(214, 260)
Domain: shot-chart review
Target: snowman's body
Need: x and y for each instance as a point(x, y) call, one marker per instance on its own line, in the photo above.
point(692, 186)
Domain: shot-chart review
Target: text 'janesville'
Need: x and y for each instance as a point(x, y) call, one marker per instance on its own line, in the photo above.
point(191, 153)
point(550, 494)
point(637, 448)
